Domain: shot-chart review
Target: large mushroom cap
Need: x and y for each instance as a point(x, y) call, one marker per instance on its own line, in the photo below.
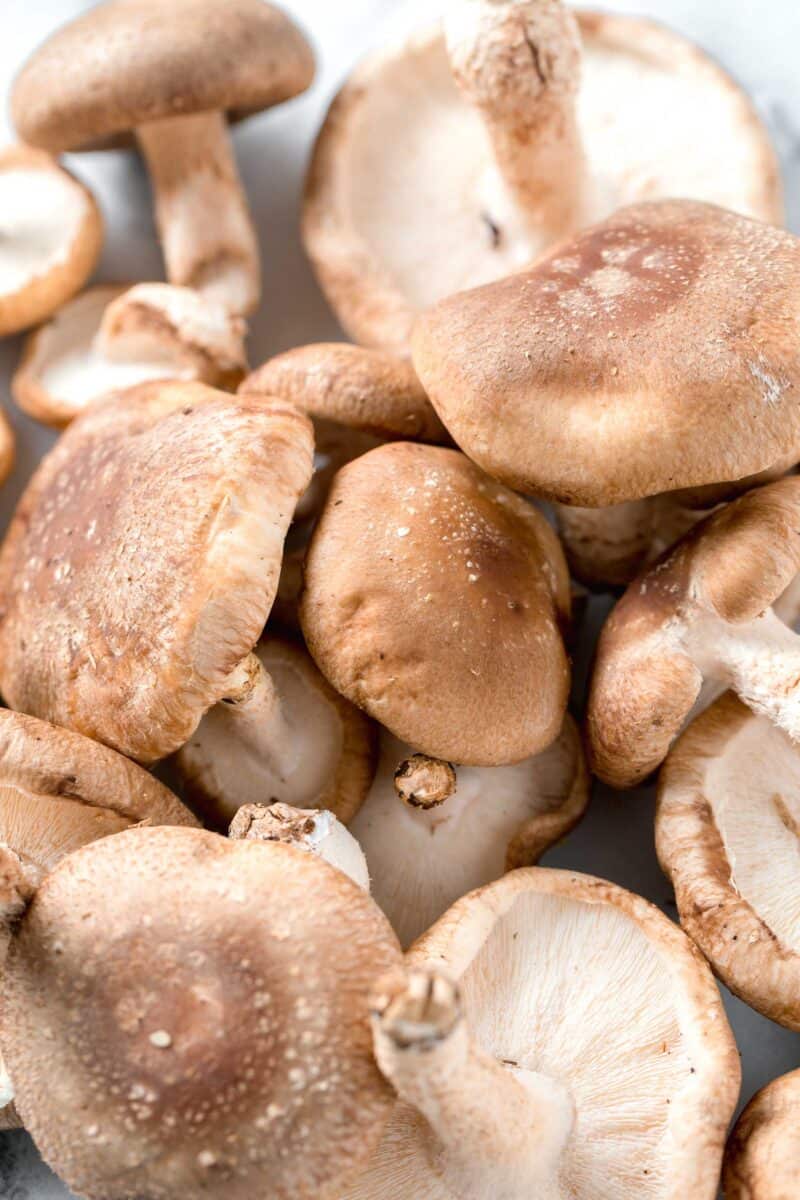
point(762, 1161)
point(432, 600)
point(655, 351)
point(141, 564)
point(187, 1016)
point(130, 62)
point(727, 835)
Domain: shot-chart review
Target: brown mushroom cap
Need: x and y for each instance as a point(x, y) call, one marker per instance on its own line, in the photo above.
point(762, 1161)
point(433, 598)
point(187, 1016)
point(132, 62)
point(142, 561)
point(655, 351)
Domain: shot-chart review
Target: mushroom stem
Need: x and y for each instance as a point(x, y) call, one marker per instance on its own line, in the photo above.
point(312, 829)
point(499, 1130)
point(519, 65)
point(252, 701)
point(423, 782)
point(17, 888)
point(201, 211)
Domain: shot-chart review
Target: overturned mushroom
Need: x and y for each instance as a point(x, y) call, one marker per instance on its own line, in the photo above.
point(224, 985)
point(51, 235)
point(195, 63)
point(311, 829)
point(703, 611)
point(309, 748)
point(139, 569)
point(432, 831)
point(762, 1161)
point(111, 338)
point(546, 120)
point(557, 1036)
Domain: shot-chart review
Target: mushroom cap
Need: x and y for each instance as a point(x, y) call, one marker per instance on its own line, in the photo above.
point(223, 985)
point(52, 237)
point(762, 1161)
point(652, 352)
point(389, 231)
point(432, 599)
point(580, 980)
point(499, 818)
point(333, 751)
point(130, 62)
point(142, 561)
point(734, 565)
point(727, 831)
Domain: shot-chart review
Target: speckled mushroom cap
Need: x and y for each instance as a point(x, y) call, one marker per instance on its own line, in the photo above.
point(762, 1161)
point(655, 351)
point(131, 62)
point(432, 600)
point(187, 1016)
point(142, 561)
point(727, 833)
point(703, 611)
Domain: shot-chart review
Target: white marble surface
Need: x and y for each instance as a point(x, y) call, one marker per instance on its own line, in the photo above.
point(756, 42)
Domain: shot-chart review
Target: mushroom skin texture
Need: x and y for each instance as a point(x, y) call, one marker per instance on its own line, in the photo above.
point(52, 237)
point(196, 63)
point(704, 612)
point(513, 96)
point(313, 830)
point(762, 1161)
point(140, 567)
point(434, 599)
point(547, 1019)
point(423, 856)
point(727, 830)
point(225, 984)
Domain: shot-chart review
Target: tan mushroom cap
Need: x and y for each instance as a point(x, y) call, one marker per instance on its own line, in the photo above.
point(727, 833)
point(207, 1001)
point(546, 121)
point(762, 1161)
point(656, 351)
point(433, 599)
point(704, 611)
point(323, 749)
point(594, 1002)
point(141, 564)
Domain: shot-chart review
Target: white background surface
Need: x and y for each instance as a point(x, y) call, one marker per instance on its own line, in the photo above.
point(757, 42)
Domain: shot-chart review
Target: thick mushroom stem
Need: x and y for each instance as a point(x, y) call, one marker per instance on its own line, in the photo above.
point(252, 702)
point(519, 64)
point(423, 782)
point(201, 211)
point(315, 830)
point(497, 1130)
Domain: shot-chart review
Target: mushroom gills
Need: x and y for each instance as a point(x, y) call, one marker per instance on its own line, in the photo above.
point(44, 829)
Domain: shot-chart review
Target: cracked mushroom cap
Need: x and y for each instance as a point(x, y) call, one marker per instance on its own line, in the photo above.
point(653, 352)
point(132, 62)
point(762, 1161)
point(704, 611)
point(142, 561)
point(114, 337)
point(424, 856)
point(433, 599)
point(601, 1006)
point(52, 237)
point(224, 987)
point(727, 832)
point(615, 109)
point(324, 754)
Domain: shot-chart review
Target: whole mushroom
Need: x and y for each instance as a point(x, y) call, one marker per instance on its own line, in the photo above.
point(762, 1161)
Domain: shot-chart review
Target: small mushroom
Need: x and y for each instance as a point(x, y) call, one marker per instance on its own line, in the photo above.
point(459, 156)
point(433, 599)
point(112, 337)
point(432, 831)
point(557, 1036)
point(762, 1161)
point(172, 74)
point(314, 830)
point(51, 235)
point(187, 1016)
point(702, 612)
point(727, 832)
point(139, 569)
point(312, 749)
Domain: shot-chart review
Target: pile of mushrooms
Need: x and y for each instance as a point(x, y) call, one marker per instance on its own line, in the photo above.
point(285, 652)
